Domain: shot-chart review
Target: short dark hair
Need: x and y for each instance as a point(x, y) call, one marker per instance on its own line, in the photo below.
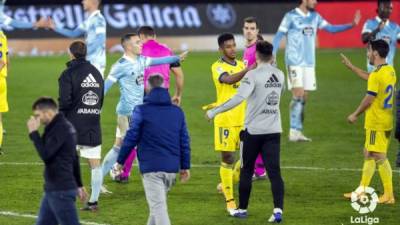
point(147, 31)
point(251, 19)
point(156, 80)
point(43, 103)
point(224, 37)
point(260, 37)
point(383, 2)
point(126, 37)
point(264, 50)
point(78, 49)
point(381, 46)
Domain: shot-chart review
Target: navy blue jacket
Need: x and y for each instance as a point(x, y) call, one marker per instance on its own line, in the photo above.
point(397, 129)
point(57, 149)
point(159, 131)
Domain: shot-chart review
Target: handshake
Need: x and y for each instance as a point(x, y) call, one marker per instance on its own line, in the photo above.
point(46, 23)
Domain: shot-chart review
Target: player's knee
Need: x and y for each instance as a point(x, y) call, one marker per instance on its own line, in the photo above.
point(94, 163)
point(228, 159)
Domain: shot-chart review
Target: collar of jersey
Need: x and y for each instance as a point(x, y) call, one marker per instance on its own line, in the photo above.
point(379, 20)
point(94, 13)
point(129, 58)
point(298, 10)
point(222, 59)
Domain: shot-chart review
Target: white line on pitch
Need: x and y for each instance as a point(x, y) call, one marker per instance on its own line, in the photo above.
point(210, 166)
point(15, 214)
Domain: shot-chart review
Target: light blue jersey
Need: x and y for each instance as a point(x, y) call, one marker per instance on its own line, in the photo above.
point(301, 30)
point(94, 29)
point(129, 75)
point(390, 33)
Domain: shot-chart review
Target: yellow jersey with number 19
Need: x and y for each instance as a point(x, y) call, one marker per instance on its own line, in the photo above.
point(235, 116)
point(3, 53)
point(381, 84)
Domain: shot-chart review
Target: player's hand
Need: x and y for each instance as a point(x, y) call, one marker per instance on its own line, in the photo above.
point(117, 169)
point(176, 100)
point(183, 56)
point(357, 18)
point(82, 194)
point(50, 23)
point(184, 176)
point(346, 61)
point(33, 124)
point(41, 23)
point(352, 118)
point(209, 115)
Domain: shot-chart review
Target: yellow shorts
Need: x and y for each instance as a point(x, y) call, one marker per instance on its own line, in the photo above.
point(227, 138)
point(3, 95)
point(377, 141)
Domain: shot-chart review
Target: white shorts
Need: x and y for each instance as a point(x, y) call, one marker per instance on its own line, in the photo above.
point(122, 126)
point(89, 152)
point(301, 77)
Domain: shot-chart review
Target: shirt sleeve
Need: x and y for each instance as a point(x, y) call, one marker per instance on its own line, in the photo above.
point(285, 24)
point(6, 20)
point(245, 89)
point(321, 22)
point(373, 85)
point(367, 28)
point(218, 71)
point(116, 73)
point(49, 148)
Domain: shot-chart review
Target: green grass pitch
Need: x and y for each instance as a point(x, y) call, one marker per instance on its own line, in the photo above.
point(315, 174)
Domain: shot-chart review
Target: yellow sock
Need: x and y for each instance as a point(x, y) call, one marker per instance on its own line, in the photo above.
point(367, 172)
point(385, 171)
point(226, 174)
point(236, 172)
point(1, 134)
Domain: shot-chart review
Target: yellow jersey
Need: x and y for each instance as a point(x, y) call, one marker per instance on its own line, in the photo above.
point(381, 84)
point(3, 53)
point(235, 116)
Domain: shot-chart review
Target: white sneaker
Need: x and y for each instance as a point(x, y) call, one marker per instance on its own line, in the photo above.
point(297, 136)
point(104, 190)
point(276, 216)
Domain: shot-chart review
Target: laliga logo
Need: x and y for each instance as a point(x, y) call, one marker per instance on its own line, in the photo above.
point(364, 200)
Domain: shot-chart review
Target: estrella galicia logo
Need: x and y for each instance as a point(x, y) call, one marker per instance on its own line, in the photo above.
point(90, 98)
point(364, 200)
point(272, 99)
point(221, 15)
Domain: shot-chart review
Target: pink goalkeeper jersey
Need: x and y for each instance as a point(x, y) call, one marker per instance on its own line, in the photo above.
point(154, 49)
point(249, 56)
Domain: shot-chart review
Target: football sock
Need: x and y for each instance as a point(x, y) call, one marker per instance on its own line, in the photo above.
point(126, 171)
point(97, 181)
point(226, 174)
point(236, 172)
point(296, 111)
point(385, 172)
point(110, 159)
point(367, 172)
point(1, 134)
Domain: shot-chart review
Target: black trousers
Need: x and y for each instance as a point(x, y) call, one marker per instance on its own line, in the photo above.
point(269, 147)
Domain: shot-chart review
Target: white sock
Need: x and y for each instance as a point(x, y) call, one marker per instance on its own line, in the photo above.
point(97, 181)
point(110, 160)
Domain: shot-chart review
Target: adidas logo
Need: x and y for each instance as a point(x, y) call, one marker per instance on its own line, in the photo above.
point(273, 82)
point(89, 81)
